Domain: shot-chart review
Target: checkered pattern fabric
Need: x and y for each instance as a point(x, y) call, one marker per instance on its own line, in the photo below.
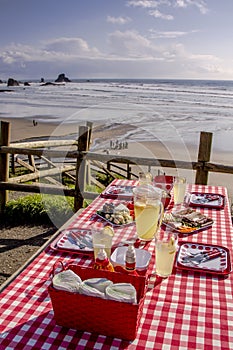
point(188, 310)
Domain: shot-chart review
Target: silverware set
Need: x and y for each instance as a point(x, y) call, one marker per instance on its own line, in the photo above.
point(200, 257)
point(82, 241)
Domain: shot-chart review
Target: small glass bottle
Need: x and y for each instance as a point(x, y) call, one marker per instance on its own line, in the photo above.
point(102, 262)
point(130, 258)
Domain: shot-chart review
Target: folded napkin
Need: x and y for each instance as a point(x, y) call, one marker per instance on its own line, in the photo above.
point(67, 280)
point(95, 287)
point(124, 292)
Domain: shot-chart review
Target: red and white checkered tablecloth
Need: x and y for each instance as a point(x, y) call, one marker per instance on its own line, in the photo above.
point(188, 310)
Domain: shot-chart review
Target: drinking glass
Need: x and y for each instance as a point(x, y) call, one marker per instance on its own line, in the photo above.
point(179, 189)
point(145, 178)
point(103, 236)
point(165, 251)
point(148, 210)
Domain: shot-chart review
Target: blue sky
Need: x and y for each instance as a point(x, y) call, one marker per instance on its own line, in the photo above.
point(174, 39)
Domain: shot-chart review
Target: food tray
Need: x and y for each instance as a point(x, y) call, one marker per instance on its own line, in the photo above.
point(118, 192)
point(98, 213)
point(109, 207)
point(63, 243)
point(207, 200)
point(189, 217)
point(220, 265)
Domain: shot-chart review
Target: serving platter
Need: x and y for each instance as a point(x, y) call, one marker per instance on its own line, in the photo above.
point(206, 200)
point(187, 221)
point(102, 216)
point(117, 213)
point(118, 192)
point(188, 258)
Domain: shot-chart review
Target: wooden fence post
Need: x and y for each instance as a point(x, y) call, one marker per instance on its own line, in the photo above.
point(88, 170)
point(204, 154)
point(83, 143)
point(4, 162)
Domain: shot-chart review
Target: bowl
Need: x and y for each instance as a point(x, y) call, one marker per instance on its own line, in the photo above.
point(142, 258)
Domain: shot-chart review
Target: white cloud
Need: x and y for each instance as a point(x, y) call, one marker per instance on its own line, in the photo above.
point(200, 4)
point(60, 49)
point(182, 4)
point(144, 3)
point(158, 14)
point(118, 20)
point(71, 46)
point(131, 44)
point(18, 52)
point(169, 34)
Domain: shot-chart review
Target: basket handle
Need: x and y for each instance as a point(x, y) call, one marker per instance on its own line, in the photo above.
point(56, 266)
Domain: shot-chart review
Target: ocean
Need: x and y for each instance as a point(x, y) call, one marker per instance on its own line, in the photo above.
point(148, 110)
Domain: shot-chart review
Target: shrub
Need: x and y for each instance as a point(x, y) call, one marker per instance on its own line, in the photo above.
point(39, 209)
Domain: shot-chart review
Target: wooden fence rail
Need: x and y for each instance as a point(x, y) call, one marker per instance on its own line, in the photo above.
point(110, 164)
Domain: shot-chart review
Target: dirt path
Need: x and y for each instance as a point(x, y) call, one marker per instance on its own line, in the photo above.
point(18, 244)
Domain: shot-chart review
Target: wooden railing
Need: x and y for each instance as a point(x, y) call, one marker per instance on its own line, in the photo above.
point(111, 165)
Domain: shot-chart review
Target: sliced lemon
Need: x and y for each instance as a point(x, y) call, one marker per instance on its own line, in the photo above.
point(108, 230)
point(172, 241)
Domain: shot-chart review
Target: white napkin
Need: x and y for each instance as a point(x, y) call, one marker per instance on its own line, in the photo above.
point(124, 292)
point(67, 280)
point(95, 287)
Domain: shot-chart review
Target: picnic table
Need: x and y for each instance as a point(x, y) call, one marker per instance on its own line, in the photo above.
point(189, 310)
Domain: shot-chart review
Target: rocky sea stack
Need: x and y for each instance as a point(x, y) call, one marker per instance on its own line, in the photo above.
point(62, 79)
point(12, 82)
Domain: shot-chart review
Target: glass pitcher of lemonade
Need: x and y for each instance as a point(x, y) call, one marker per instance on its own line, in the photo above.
point(148, 210)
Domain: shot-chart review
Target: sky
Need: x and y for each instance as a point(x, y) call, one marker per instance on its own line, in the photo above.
point(159, 39)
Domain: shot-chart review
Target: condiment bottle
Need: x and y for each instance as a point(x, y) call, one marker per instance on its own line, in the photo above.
point(130, 258)
point(102, 262)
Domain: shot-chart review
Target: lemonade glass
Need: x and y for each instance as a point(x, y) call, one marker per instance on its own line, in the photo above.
point(148, 210)
point(165, 251)
point(102, 235)
point(145, 178)
point(179, 189)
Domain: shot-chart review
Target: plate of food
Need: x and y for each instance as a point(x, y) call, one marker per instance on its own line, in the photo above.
point(203, 258)
point(208, 200)
point(117, 214)
point(187, 221)
point(118, 192)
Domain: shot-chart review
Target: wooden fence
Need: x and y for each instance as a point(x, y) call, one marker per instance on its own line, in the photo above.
point(111, 165)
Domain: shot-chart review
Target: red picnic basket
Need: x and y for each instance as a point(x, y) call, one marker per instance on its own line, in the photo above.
point(92, 314)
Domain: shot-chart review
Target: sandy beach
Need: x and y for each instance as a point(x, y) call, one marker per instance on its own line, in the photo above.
point(23, 129)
